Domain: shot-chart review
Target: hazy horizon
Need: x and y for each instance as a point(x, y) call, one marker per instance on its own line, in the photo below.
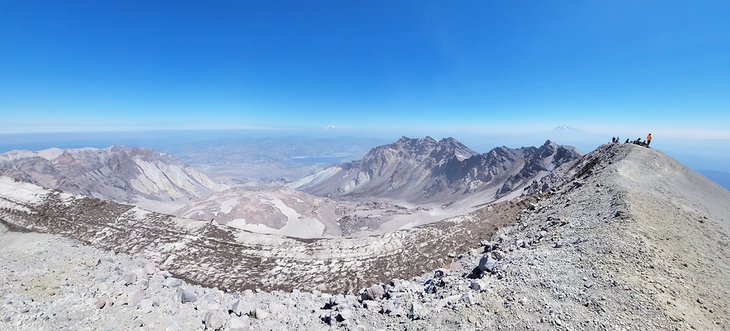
point(711, 157)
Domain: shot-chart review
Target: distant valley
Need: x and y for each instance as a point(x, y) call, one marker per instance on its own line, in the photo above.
point(266, 160)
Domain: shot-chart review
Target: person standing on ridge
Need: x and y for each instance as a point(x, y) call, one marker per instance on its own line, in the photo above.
point(648, 140)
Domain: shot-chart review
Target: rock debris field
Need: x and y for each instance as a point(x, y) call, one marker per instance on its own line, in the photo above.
point(624, 238)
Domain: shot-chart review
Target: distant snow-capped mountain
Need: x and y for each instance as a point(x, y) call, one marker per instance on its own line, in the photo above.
point(566, 128)
point(123, 174)
point(426, 170)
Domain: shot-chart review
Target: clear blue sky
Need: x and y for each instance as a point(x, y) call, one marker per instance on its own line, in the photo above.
point(368, 65)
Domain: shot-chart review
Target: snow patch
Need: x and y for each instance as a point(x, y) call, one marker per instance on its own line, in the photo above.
point(24, 193)
point(315, 178)
point(240, 223)
point(227, 205)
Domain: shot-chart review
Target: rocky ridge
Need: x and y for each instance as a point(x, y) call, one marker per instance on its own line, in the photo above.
point(426, 170)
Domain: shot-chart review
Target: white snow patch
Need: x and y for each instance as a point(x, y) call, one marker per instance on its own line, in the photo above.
point(296, 225)
point(227, 205)
point(314, 179)
point(290, 213)
point(21, 192)
point(240, 223)
point(51, 153)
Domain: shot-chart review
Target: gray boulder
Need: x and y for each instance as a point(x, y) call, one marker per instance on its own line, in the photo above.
point(344, 315)
point(150, 268)
point(371, 305)
point(146, 305)
point(375, 292)
point(260, 314)
point(242, 308)
point(184, 295)
point(215, 320)
point(129, 278)
point(488, 264)
point(172, 282)
point(134, 296)
point(326, 317)
point(416, 311)
point(239, 324)
point(391, 309)
point(468, 299)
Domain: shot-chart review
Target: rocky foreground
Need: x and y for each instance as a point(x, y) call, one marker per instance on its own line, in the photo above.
point(626, 239)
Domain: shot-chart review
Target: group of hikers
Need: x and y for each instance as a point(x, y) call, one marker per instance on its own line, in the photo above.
point(638, 141)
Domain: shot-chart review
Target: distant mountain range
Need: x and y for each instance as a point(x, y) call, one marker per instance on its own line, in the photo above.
point(426, 170)
point(132, 175)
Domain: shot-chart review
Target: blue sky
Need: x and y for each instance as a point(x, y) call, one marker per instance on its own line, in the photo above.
point(442, 67)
